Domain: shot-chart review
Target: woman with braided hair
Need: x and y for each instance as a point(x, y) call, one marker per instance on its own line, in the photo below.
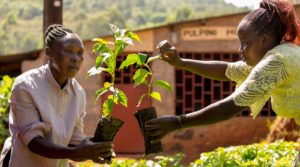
point(270, 68)
point(48, 107)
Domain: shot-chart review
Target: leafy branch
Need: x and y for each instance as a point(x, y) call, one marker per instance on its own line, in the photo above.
point(144, 75)
point(106, 62)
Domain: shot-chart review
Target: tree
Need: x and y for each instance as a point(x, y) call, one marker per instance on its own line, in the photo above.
point(183, 13)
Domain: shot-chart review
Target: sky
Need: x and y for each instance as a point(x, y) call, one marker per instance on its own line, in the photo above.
point(250, 3)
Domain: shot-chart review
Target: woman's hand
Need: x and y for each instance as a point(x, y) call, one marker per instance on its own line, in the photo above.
point(85, 150)
point(169, 53)
point(88, 150)
point(157, 128)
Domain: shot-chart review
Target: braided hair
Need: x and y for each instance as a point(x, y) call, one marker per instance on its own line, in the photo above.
point(277, 18)
point(54, 32)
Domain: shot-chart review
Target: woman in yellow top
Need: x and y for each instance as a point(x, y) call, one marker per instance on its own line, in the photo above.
point(270, 67)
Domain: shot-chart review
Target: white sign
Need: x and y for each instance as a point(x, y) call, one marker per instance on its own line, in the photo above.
point(209, 33)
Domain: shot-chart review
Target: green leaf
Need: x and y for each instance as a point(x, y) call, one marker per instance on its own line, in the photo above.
point(140, 75)
point(108, 106)
point(104, 57)
point(8, 81)
point(95, 71)
point(107, 85)
point(5, 92)
point(116, 31)
point(99, 61)
point(133, 36)
point(134, 58)
point(111, 65)
point(163, 84)
point(101, 48)
point(142, 57)
point(120, 45)
point(126, 40)
point(121, 96)
point(155, 95)
point(100, 41)
point(100, 92)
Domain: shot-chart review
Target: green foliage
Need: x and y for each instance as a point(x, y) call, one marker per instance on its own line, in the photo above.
point(20, 26)
point(30, 11)
point(5, 92)
point(183, 13)
point(89, 18)
point(163, 84)
point(143, 75)
point(106, 61)
point(159, 161)
point(27, 42)
point(131, 59)
point(277, 154)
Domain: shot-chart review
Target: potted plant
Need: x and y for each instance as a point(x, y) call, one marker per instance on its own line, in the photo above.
point(106, 61)
point(108, 125)
point(143, 76)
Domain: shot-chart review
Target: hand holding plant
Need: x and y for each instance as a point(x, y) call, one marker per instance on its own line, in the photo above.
point(144, 76)
point(168, 53)
point(106, 61)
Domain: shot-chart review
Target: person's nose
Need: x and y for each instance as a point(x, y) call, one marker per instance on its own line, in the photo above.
point(77, 58)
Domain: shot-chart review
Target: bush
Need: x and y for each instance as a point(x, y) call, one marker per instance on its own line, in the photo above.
point(159, 161)
point(5, 92)
point(277, 154)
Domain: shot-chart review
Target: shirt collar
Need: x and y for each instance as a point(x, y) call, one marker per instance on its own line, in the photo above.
point(69, 87)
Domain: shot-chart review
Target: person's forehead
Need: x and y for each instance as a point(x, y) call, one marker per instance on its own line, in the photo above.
point(244, 24)
point(245, 28)
point(70, 38)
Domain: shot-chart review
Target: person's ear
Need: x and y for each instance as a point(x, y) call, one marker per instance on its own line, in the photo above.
point(49, 53)
point(266, 39)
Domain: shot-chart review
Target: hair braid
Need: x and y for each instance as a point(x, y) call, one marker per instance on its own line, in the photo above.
point(54, 32)
point(275, 17)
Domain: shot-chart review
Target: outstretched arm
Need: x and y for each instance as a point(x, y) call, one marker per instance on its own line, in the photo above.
point(269, 74)
point(216, 112)
point(208, 69)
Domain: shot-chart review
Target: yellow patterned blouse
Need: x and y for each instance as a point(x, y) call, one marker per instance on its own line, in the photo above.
point(277, 76)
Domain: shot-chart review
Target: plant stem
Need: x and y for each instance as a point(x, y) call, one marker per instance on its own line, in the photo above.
point(153, 58)
point(151, 79)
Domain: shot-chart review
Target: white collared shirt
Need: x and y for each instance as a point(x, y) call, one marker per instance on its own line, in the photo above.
point(39, 107)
